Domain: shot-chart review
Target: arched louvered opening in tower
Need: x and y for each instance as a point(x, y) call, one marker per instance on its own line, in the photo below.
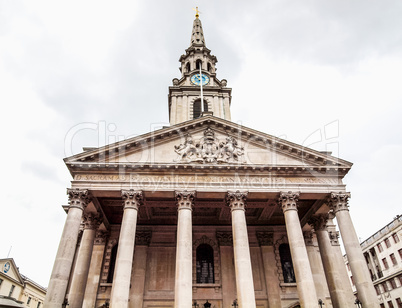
point(188, 67)
point(197, 108)
point(198, 64)
point(209, 67)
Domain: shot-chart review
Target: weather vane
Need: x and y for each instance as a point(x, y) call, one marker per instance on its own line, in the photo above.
point(197, 12)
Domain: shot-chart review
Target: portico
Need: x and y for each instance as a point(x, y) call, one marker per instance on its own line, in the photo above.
point(204, 211)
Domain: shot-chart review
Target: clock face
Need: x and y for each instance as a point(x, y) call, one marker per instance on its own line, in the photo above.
point(6, 267)
point(197, 79)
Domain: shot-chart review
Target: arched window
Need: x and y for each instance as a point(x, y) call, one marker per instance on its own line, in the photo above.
point(188, 67)
point(287, 264)
point(198, 64)
point(112, 264)
point(197, 108)
point(205, 264)
point(209, 67)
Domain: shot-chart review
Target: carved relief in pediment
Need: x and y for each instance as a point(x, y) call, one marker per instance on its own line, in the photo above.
point(209, 149)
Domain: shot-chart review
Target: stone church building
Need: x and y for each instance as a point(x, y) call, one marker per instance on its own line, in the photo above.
point(206, 213)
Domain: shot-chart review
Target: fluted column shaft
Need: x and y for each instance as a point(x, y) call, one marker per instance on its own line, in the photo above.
point(301, 263)
point(244, 275)
point(338, 202)
point(125, 251)
point(184, 248)
point(65, 254)
point(338, 295)
point(80, 276)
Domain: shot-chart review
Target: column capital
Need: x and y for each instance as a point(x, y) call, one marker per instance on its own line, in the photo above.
point(288, 200)
point(132, 199)
point(236, 200)
point(338, 201)
point(224, 238)
point(185, 199)
point(308, 238)
point(319, 222)
point(92, 221)
point(143, 238)
point(78, 198)
point(100, 237)
point(265, 238)
point(333, 237)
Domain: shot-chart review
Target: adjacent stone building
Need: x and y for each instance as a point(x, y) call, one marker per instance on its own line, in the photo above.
point(383, 254)
point(206, 213)
point(17, 290)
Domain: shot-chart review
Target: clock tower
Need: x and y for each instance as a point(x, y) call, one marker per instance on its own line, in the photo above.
point(198, 73)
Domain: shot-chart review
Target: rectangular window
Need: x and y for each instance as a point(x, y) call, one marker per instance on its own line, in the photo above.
point(390, 305)
point(379, 246)
point(29, 300)
point(382, 305)
point(377, 289)
point(395, 237)
point(393, 283)
point(385, 262)
point(38, 305)
point(400, 253)
point(385, 287)
point(400, 279)
point(399, 302)
point(387, 242)
point(11, 290)
point(1, 281)
point(393, 259)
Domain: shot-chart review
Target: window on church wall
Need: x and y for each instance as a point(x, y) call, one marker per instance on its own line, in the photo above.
point(287, 264)
point(209, 67)
point(188, 68)
point(377, 289)
point(205, 264)
point(11, 290)
point(395, 237)
point(112, 264)
point(390, 305)
point(197, 108)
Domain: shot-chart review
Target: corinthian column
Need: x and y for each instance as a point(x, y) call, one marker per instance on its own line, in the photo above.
point(338, 203)
point(335, 283)
point(244, 275)
point(184, 282)
point(80, 276)
point(56, 291)
point(301, 264)
point(125, 251)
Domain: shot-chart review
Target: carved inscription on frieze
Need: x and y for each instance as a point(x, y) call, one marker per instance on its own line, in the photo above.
point(182, 181)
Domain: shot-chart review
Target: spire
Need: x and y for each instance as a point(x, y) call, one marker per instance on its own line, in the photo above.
point(197, 37)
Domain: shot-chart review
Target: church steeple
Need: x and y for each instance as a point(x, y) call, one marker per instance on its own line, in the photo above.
point(184, 95)
point(197, 37)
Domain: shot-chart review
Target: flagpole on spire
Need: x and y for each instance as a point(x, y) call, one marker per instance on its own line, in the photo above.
point(202, 96)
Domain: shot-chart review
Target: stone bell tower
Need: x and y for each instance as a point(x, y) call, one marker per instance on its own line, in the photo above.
point(185, 94)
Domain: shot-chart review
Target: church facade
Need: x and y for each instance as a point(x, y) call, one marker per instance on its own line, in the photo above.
point(206, 213)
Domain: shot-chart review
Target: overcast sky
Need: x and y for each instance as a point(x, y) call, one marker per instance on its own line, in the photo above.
point(324, 74)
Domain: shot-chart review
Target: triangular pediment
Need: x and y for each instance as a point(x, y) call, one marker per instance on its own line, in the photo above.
point(208, 141)
point(8, 268)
